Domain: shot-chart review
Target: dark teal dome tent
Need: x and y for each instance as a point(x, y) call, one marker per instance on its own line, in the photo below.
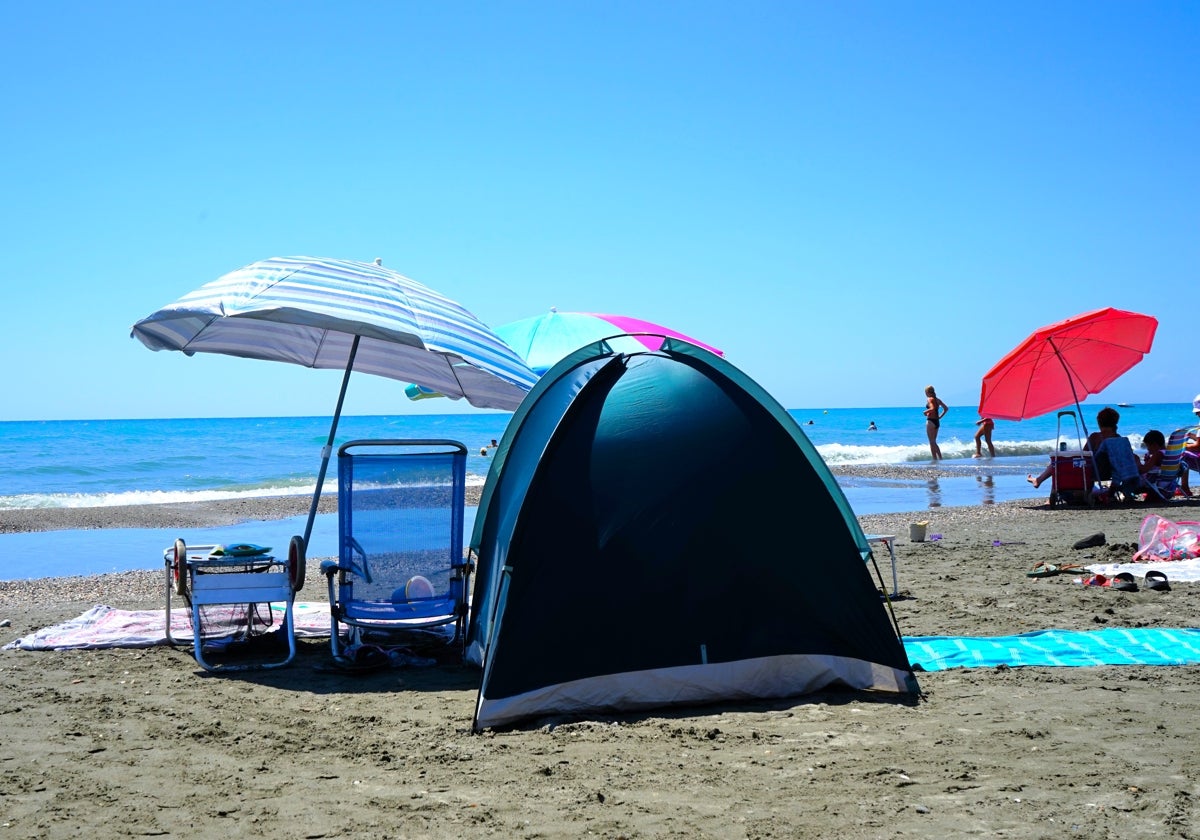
point(657, 530)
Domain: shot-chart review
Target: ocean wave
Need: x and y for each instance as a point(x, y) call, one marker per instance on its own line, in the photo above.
point(843, 454)
point(27, 501)
point(140, 497)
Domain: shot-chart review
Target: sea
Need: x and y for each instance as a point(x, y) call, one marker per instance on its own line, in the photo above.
point(96, 463)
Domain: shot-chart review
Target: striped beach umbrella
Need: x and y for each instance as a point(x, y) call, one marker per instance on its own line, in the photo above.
point(313, 312)
point(343, 315)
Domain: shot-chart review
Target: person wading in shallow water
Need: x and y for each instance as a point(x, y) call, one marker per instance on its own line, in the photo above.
point(935, 410)
point(984, 433)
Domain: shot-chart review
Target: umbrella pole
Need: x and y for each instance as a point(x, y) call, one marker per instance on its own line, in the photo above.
point(1071, 382)
point(328, 450)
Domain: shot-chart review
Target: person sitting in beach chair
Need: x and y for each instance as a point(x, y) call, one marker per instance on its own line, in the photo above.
point(1111, 457)
point(1190, 460)
point(1171, 474)
point(1153, 481)
point(1116, 464)
point(1188, 455)
point(1089, 461)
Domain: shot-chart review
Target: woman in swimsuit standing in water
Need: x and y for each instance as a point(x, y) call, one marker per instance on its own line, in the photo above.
point(935, 410)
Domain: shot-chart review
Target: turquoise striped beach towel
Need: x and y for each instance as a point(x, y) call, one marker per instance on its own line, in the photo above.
point(1110, 646)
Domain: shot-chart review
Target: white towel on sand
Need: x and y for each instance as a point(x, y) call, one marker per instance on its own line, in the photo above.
point(1183, 571)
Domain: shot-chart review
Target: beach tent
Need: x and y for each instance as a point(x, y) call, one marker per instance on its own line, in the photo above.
point(655, 530)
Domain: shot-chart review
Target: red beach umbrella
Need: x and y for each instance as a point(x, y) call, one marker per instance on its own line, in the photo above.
point(1060, 363)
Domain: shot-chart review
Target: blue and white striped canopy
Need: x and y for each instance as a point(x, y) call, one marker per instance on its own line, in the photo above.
point(307, 311)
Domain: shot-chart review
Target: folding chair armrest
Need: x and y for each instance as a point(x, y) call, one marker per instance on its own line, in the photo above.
point(329, 568)
point(362, 568)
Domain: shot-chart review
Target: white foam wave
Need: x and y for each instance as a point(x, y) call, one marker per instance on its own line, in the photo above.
point(845, 454)
point(953, 448)
point(142, 497)
point(162, 497)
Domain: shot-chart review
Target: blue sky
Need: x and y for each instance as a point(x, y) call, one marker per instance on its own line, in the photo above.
point(851, 199)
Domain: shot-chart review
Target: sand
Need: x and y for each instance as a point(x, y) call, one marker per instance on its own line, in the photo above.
point(120, 743)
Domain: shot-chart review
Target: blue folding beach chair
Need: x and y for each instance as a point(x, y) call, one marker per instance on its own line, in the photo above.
point(400, 578)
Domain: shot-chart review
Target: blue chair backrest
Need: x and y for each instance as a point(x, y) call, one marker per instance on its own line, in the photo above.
point(400, 515)
point(1120, 460)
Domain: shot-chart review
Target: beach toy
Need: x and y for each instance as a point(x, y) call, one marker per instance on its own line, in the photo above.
point(916, 531)
point(245, 549)
point(415, 588)
point(238, 550)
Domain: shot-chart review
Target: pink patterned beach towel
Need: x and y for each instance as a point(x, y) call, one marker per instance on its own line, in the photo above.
point(105, 627)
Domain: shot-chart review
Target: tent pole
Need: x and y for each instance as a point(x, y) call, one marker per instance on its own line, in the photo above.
point(328, 449)
point(1070, 382)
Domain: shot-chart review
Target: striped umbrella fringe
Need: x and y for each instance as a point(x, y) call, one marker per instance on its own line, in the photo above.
point(307, 310)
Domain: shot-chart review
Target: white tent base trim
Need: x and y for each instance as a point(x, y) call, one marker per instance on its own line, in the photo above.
point(764, 678)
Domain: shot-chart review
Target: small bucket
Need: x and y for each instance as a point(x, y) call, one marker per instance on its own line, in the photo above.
point(916, 532)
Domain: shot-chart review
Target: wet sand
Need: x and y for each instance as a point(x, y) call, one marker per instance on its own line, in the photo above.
point(118, 743)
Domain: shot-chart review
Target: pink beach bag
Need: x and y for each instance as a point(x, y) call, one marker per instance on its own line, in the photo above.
point(1161, 539)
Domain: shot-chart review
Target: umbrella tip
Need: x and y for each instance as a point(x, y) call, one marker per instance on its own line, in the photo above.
point(379, 261)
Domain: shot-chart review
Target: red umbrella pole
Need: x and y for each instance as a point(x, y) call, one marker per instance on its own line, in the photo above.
point(1071, 382)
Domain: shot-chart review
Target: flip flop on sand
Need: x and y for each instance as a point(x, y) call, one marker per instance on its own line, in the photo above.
point(1097, 580)
point(1124, 582)
point(1157, 581)
point(1043, 569)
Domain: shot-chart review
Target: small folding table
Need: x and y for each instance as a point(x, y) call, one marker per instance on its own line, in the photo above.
point(888, 540)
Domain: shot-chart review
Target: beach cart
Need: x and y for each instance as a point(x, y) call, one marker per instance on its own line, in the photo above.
point(1074, 469)
point(240, 602)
